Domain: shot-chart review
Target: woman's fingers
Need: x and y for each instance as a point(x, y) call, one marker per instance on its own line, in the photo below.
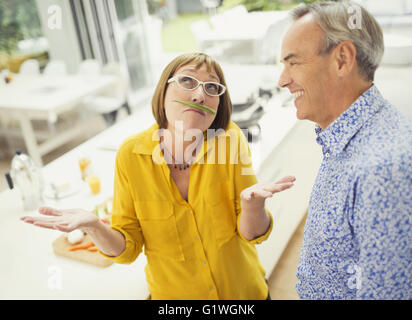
point(54, 226)
point(50, 224)
point(47, 211)
point(286, 179)
point(277, 187)
point(64, 227)
point(283, 186)
point(44, 225)
point(27, 219)
point(258, 193)
point(63, 220)
point(39, 220)
point(261, 193)
point(264, 191)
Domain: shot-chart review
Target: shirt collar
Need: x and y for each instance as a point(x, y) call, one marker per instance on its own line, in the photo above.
point(147, 143)
point(337, 135)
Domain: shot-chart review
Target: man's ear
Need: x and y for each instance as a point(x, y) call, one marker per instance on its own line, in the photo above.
point(345, 58)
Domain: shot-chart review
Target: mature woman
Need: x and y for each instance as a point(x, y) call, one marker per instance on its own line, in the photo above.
point(194, 205)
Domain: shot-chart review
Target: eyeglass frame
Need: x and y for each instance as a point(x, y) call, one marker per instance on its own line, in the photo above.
point(174, 78)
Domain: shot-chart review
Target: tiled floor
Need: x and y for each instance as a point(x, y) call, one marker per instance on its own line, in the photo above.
point(283, 279)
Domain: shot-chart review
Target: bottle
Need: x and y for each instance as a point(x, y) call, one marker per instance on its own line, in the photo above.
point(28, 178)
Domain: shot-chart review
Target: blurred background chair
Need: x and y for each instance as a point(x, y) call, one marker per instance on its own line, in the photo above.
point(395, 19)
point(55, 68)
point(201, 32)
point(229, 19)
point(30, 67)
point(269, 46)
point(211, 5)
point(58, 68)
point(111, 105)
point(89, 67)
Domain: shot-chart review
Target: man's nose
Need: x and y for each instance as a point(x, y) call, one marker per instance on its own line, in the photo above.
point(284, 79)
point(199, 95)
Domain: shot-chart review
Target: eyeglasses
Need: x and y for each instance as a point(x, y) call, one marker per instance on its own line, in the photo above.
point(213, 89)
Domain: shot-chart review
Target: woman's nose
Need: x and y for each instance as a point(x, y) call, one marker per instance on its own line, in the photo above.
point(199, 95)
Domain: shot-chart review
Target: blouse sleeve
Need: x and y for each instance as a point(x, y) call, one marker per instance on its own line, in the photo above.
point(244, 178)
point(124, 217)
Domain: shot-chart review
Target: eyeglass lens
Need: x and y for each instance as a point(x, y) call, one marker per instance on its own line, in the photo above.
point(190, 83)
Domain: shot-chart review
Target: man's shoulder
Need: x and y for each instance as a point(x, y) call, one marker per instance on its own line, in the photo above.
point(385, 137)
point(388, 124)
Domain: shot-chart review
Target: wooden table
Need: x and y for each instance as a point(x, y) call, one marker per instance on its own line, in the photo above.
point(46, 97)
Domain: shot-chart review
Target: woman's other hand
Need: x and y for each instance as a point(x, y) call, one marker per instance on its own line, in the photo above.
point(63, 220)
point(261, 191)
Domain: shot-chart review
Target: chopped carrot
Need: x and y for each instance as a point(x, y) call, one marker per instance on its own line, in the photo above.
point(82, 246)
point(93, 249)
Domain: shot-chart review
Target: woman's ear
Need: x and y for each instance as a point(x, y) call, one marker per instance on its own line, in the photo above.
point(345, 58)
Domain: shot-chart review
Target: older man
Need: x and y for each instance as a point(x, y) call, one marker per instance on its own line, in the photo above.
point(358, 238)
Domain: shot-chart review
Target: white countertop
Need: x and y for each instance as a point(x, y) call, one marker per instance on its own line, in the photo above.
point(30, 270)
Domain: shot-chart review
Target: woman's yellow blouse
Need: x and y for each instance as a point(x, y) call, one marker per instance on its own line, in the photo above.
point(194, 248)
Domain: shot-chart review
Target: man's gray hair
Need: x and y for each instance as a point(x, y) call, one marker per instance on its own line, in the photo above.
point(335, 19)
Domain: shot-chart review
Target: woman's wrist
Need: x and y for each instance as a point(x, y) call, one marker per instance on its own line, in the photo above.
point(94, 226)
point(252, 205)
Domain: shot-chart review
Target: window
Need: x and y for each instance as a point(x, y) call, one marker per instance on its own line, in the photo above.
point(21, 36)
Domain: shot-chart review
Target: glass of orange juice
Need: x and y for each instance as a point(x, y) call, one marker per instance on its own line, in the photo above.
point(84, 165)
point(94, 183)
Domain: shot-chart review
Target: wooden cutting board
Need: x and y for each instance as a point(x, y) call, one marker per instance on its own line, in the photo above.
point(61, 247)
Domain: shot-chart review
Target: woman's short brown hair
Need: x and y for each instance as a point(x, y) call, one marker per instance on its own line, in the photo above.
point(199, 59)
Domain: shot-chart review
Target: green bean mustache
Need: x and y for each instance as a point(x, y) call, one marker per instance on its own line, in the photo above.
point(197, 106)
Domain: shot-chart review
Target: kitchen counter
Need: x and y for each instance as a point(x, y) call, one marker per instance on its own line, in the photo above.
point(30, 269)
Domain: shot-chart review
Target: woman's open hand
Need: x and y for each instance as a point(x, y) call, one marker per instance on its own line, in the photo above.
point(63, 220)
point(261, 191)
